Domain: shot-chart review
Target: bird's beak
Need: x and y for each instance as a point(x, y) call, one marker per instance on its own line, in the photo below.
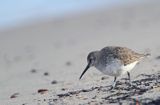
point(87, 67)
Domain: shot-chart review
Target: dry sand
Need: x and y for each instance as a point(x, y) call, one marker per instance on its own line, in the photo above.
point(41, 63)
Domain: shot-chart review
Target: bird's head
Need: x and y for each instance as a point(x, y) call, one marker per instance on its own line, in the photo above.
point(91, 59)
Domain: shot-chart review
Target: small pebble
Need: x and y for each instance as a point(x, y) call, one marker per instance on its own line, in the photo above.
point(33, 71)
point(46, 74)
point(158, 57)
point(63, 89)
point(103, 78)
point(54, 82)
point(68, 63)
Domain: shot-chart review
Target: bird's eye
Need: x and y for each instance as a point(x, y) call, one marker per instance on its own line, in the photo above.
point(92, 58)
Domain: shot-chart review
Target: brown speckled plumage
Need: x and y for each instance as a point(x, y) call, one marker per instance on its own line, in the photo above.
point(125, 55)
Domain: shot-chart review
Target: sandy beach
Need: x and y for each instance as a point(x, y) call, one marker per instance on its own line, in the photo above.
point(40, 63)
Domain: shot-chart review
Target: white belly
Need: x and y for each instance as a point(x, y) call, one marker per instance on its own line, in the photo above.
point(128, 67)
point(116, 68)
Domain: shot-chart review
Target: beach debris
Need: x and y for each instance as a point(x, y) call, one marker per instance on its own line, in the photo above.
point(122, 93)
point(63, 95)
point(42, 91)
point(14, 95)
point(76, 92)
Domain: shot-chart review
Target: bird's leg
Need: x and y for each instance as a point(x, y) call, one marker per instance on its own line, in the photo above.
point(129, 78)
point(114, 83)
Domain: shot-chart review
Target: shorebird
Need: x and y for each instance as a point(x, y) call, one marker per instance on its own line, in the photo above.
point(114, 61)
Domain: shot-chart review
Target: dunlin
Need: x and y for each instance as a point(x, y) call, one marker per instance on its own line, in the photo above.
point(114, 61)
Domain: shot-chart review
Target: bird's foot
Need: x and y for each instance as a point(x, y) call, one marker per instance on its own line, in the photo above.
point(113, 85)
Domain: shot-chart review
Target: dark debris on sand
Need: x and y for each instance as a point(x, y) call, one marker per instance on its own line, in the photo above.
point(42, 91)
point(158, 57)
point(68, 63)
point(14, 95)
point(33, 70)
point(54, 82)
point(123, 92)
point(46, 74)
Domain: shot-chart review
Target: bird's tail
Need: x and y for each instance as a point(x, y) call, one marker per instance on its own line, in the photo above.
point(145, 55)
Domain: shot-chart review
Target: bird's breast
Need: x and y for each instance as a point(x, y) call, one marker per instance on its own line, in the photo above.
point(112, 68)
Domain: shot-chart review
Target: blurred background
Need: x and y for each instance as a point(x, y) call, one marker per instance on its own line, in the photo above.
point(17, 13)
point(55, 36)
